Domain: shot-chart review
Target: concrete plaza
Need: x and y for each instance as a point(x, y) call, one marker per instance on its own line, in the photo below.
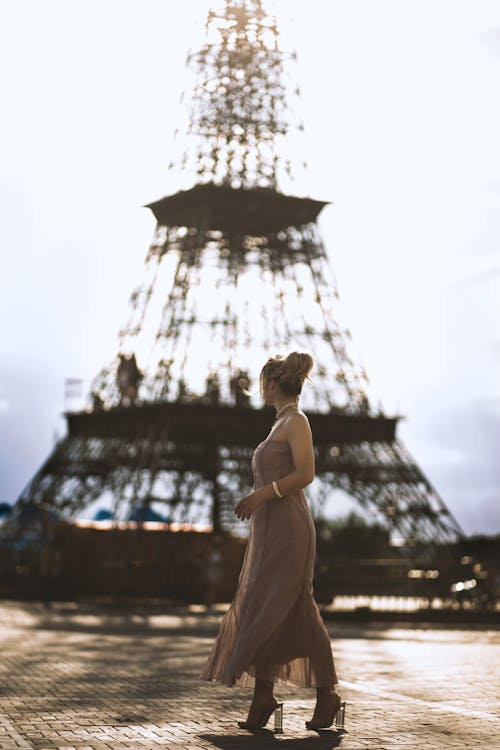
point(82, 676)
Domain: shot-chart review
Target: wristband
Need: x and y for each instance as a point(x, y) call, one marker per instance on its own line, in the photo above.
point(276, 490)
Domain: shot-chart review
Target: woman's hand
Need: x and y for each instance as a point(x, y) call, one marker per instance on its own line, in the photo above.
point(250, 503)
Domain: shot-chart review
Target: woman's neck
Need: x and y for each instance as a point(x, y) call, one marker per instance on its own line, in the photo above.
point(282, 404)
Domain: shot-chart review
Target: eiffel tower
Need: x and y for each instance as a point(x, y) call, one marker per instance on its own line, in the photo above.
point(237, 271)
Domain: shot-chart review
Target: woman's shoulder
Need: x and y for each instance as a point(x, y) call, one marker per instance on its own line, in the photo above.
point(298, 413)
point(298, 420)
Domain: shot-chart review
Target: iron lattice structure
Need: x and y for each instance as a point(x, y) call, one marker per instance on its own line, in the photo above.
point(236, 271)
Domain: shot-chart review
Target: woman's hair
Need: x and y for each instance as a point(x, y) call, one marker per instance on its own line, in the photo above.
point(289, 372)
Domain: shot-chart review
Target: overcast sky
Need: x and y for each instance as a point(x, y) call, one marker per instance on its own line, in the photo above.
point(401, 111)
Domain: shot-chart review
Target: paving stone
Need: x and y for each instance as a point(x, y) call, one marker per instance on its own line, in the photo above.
point(79, 676)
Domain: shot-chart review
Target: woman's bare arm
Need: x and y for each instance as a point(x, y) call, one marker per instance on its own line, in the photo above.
point(300, 439)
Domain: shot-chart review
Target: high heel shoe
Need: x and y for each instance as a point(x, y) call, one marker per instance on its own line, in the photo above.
point(337, 715)
point(264, 718)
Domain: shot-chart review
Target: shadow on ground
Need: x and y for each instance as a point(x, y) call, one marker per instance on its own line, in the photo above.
point(263, 739)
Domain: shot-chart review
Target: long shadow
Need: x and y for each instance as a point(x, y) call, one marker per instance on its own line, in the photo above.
point(114, 618)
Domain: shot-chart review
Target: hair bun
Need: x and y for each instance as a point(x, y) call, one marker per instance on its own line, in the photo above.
point(290, 371)
point(299, 364)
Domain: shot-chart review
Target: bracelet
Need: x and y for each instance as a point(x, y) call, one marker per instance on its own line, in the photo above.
point(276, 490)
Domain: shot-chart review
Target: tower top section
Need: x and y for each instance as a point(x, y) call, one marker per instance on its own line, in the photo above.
point(240, 110)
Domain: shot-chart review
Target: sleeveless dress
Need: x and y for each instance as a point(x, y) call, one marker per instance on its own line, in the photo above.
point(273, 628)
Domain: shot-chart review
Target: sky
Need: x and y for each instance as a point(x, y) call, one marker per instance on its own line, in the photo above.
point(400, 105)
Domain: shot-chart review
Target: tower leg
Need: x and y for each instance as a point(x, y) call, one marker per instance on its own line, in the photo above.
point(216, 520)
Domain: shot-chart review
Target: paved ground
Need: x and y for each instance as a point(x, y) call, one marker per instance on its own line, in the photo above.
point(86, 678)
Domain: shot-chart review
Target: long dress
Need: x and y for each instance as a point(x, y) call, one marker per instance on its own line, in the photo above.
point(273, 629)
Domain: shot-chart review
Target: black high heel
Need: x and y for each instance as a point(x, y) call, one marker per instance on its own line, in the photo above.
point(337, 716)
point(277, 708)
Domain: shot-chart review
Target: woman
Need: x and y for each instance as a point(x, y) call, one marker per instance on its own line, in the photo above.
point(273, 629)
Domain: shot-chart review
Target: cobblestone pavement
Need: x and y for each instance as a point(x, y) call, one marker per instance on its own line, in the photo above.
point(84, 677)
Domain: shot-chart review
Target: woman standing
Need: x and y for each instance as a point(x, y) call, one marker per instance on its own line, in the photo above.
point(273, 630)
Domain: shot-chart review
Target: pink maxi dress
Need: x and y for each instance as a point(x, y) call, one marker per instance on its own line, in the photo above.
point(273, 629)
